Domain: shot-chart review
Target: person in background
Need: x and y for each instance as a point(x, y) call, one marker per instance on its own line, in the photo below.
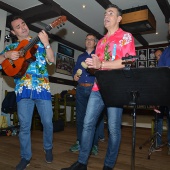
point(32, 89)
point(109, 51)
point(85, 83)
point(164, 61)
point(158, 53)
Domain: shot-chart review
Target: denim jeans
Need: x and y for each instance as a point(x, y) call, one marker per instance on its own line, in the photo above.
point(99, 133)
point(94, 109)
point(25, 113)
point(82, 97)
point(164, 111)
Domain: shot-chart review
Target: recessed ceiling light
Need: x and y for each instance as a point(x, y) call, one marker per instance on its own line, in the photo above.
point(84, 6)
point(73, 32)
point(156, 32)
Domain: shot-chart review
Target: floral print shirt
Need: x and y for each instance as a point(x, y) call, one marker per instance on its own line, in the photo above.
point(34, 83)
point(118, 45)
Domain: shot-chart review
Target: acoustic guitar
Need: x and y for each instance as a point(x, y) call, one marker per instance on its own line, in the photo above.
point(27, 49)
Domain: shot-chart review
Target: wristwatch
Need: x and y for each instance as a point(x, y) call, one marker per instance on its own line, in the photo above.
point(48, 46)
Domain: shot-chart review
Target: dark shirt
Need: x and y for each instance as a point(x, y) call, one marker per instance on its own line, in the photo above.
point(165, 58)
point(85, 77)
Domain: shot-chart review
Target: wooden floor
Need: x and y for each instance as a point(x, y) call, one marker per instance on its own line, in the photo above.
point(9, 152)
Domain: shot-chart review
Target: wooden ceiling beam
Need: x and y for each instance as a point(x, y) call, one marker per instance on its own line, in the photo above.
point(9, 8)
point(47, 2)
point(104, 4)
point(165, 8)
point(140, 39)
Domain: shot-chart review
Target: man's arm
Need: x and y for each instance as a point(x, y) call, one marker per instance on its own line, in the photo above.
point(49, 52)
point(95, 63)
point(13, 55)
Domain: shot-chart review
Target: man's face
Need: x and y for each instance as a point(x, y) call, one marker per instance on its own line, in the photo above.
point(20, 29)
point(158, 54)
point(90, 41)
point(111, 18)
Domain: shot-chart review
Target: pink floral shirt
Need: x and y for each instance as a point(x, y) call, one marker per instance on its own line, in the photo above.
point(115, 47)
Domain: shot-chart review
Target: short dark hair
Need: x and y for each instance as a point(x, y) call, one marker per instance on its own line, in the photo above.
point(13, 18)
point(161, 49)
point(115, 6)
point(92, 35)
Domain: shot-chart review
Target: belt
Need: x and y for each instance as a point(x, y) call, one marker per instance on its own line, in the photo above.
point(86, 84)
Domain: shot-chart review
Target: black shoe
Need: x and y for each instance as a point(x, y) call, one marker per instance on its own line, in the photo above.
point(107, 168)
point(76, 166)
point(23, 164)
point(48, 156)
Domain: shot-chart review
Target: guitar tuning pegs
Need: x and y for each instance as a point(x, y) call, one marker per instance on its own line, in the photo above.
point(60, 25)
point(63, 23)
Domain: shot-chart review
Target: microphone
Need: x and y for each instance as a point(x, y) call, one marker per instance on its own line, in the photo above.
point(90, 70)
point(79, 72)
point(130, 57)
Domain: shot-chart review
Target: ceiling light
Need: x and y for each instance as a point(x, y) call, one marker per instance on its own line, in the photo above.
point(84, 6)
point(157, 33)
point(73, 32)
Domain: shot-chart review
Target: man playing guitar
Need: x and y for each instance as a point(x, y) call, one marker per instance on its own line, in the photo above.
point(31, 89)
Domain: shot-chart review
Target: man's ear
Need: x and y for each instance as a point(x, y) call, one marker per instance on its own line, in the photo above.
point(119, 18)
point(12, 32)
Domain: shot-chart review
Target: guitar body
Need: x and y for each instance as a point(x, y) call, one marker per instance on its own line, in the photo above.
point(18, 67)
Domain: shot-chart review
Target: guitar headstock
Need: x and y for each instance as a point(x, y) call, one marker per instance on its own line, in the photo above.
point(58, 21)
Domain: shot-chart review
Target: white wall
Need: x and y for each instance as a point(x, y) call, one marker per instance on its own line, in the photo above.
point(3, 15)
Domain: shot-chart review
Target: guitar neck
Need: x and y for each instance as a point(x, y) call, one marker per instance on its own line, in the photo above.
point(55, 23)
point(31, 43)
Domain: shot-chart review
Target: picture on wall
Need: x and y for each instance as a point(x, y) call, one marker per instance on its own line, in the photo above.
point(64, 64)
point(62, 49)
point(152, 63)
point(142, 54)
point(142, 64)
point(151, 53)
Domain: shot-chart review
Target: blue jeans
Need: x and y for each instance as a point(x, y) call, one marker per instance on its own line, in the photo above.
point(94, 108)
point(25, 109)
point(164, 111)
point(99, 133)
point(82, 97)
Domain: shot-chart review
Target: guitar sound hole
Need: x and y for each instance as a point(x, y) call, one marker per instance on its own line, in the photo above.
point(13, 65)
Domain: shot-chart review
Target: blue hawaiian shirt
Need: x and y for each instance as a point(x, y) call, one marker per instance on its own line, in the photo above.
point(34, 83)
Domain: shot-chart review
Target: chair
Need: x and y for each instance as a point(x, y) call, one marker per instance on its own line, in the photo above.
point(59, 108)
point(12, 111)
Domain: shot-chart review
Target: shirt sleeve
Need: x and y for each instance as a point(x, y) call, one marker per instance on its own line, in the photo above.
point(162, 60)
point(78, 63)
